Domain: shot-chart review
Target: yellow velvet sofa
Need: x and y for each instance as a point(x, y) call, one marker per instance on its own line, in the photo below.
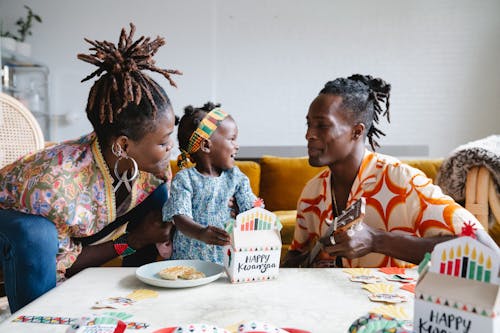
point(280, 180)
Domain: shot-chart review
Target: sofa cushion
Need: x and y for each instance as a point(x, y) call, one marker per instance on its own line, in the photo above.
point(249, 168)
point(252, 170)
point(428, 166)
point(287, 219)
point(282, 180)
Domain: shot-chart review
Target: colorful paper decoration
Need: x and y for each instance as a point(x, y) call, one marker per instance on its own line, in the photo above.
point(58, 320)
point(460, 290)
point(392, 270)
point(254, 251)
point(466, 258)
point(257, 220)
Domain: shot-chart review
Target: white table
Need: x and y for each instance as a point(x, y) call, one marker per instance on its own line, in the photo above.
point(318, 300)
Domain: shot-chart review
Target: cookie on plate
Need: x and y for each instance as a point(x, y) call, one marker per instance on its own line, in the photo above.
point(174, 272)
point(192, 275)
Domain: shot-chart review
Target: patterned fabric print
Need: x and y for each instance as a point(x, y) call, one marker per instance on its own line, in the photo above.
point(205, 200)
point(70, 185)
point(205, 129)
point(399, 199)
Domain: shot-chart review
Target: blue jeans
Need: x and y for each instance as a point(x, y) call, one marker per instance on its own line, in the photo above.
point(28, 248)
point(29, 245)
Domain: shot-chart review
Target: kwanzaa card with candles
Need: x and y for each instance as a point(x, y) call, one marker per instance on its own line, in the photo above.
point(255, 249)
point(459, 289)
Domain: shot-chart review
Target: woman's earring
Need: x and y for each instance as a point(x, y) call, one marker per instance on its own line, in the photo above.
point(117, 150)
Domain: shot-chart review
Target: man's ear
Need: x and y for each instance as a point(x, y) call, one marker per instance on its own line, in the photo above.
point(358, 131)
point(205, 146)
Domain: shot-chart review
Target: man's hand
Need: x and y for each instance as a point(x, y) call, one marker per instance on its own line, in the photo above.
point(352, 243)
point(296, 259)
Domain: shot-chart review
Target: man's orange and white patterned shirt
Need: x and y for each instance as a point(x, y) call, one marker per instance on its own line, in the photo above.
point(399, 198)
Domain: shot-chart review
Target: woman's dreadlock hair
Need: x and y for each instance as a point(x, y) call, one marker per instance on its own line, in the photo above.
point(363, 97)
point(190, 120)
point(125, 101)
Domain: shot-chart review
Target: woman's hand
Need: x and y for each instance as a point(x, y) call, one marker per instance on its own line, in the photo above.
point(150, 230)
point(214, 235)
point(233, 205)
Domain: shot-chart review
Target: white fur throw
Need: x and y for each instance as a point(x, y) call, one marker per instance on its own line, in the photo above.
point(453, 172)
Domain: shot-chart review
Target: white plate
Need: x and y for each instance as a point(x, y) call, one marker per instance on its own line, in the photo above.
point(149, 273)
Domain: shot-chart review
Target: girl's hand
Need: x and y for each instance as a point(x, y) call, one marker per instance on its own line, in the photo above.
point(215, 236)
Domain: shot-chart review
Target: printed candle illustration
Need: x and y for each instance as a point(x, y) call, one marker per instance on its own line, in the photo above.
point(256, 221)
point(487, 272)
point(229, 256)
point(465, 261)
point(449, 269)
point(479, 275)
point(472, 266)
point(442, 268)
point(458, 262)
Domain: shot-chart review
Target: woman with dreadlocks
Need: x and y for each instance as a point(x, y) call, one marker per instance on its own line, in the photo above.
point(66, 208)
point(406, 215)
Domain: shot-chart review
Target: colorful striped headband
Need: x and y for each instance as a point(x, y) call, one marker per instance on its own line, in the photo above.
point(205, 129)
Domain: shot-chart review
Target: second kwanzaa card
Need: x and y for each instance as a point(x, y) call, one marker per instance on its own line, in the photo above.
point(255, 249)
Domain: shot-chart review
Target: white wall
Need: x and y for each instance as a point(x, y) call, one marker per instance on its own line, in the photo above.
point(266, 60)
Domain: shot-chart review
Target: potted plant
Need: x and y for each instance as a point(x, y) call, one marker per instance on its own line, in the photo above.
point(17, 42)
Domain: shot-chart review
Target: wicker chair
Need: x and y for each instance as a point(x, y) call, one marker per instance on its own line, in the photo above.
point(482, 200)
point(19, 130)
point(19, 134)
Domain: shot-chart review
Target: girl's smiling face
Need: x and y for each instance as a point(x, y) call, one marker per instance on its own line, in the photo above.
point(224, 145)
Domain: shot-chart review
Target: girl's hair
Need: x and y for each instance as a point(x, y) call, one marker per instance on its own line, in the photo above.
point(190, 120)
point(362, 98)
point(124, 100)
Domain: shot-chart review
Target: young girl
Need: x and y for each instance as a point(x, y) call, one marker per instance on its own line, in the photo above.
point(199, 195)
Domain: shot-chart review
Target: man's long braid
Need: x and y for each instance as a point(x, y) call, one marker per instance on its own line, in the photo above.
point(379, 94)
point(123, 81)
point(362, 98)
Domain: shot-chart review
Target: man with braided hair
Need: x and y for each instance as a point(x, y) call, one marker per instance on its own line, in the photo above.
point(406, 215)
point(86, 201)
